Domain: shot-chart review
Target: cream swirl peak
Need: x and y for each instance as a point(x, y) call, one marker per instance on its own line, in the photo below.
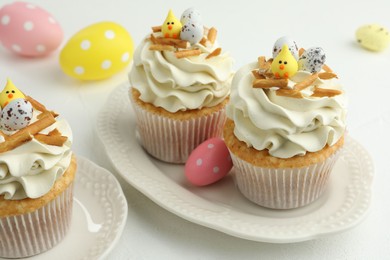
point(30, 170)
point(288, 116)
point(178, 74)
point(33, 154)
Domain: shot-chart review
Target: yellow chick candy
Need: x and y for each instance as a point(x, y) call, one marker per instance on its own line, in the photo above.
point(9, 93)
point(284, 64)
point(171, 27)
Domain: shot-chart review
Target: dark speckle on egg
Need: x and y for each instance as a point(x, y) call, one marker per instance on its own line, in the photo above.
point(9, 112)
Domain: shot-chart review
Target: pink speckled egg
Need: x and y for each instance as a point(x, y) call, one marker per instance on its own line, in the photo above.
point(29, 30)
point(208, 163)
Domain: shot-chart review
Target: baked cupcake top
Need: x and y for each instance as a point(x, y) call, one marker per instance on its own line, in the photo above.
point(180, 66)
point(288, 106)
point(34, 146)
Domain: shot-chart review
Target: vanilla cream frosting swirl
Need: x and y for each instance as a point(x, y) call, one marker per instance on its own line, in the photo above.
point(181, 84)
point(285, 126)
point(30, 170)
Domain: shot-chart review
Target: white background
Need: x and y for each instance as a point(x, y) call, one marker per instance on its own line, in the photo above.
point(246, 29)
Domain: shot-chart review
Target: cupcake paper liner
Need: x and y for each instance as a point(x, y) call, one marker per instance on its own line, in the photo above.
point(284, 188)
point(33, 233)
point(173, 140)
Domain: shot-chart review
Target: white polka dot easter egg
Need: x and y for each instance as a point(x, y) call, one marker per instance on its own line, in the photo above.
point(373, 37)
point(292, 46)
point(97, 51)
point(208, 163)
point(29, 30)
point(16, 115)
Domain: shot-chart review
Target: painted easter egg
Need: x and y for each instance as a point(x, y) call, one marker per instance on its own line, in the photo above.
point(292, 46)
point(208, 163)
point(191, 14)
point(312, 60)
point(192, 32)
point(373, 37)
point(97, 51)
point(29, 30)
point(16, 115)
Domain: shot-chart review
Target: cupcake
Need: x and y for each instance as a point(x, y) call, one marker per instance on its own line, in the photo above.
point(37, 171)
point(180, 85)
point(285, 126)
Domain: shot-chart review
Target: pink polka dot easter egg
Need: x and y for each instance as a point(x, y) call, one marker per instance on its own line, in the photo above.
point(29, 30)
point(208, 163)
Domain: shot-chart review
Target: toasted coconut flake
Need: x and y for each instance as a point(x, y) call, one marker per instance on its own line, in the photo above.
point(53, 138)
point(156, 28)
point(301, 51)
point(153, 38)
point(262, 63)
point(257, 75)
point(306, 83)
point(172, 42)
point(270, 83)
point(289, 93)
point(212, 35)
point(326, 68)
point(327, 75)
point(187, 53)
point(322, 92)
point(203, 41)
point(214, 53)
point(160, 47)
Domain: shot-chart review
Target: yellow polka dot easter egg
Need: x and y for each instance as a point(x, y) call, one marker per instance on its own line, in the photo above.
point(97, 52)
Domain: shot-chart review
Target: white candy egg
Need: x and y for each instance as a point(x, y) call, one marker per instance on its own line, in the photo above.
point(292, 46)
point(312, 60)
point(16, 115)
point(192, 32)
point(191, 14)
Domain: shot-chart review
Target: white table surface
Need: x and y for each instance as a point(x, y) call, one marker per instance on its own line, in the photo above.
point(247, 29)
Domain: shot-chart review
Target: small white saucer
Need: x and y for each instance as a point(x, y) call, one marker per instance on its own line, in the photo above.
point(221, 206)
point(99, 216)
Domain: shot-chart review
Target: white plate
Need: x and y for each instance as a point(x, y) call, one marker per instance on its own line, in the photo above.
point(220, 206)
point(99, 216)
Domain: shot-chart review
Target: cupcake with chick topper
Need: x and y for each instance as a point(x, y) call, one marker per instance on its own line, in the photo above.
point(37, 171)
point(180, 85)
point(285, 127)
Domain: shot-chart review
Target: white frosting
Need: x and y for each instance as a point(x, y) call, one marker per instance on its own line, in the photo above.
point(30, 170)
point(180, 84)
point(285, 126)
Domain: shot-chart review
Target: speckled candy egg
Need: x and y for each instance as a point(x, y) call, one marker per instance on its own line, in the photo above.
point(208, 163)
point(312, 60)
point(97, 51)
point(373, 37)
point(192, 32)
point(292, 46)
point(29, 30)
point(191, 14)
point(16, 115)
